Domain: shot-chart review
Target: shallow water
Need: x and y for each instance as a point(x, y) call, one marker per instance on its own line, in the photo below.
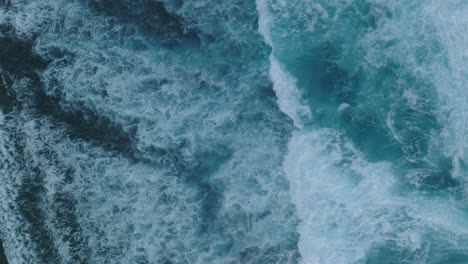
point(265, 131)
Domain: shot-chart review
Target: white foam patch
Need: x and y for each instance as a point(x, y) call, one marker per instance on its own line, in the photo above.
point(334, 199)
point(449, 74)
point(347, 205)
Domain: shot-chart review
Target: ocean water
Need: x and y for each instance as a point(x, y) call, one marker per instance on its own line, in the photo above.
point(241, 131)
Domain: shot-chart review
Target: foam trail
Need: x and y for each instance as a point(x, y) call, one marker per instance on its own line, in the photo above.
point(289, 99)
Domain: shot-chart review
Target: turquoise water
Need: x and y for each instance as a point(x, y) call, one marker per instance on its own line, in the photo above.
point(265, 131)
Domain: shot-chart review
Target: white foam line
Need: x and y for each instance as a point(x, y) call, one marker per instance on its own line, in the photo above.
point(284, 85)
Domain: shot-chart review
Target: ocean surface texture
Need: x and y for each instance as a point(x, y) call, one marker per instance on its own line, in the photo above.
point(234, 131)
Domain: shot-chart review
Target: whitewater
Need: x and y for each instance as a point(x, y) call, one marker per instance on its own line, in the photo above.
point(241, 131)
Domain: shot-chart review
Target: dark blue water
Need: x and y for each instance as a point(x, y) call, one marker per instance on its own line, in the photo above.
point(268, 131)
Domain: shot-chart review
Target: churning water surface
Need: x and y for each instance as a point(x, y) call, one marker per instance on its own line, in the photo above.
point(240, 131)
